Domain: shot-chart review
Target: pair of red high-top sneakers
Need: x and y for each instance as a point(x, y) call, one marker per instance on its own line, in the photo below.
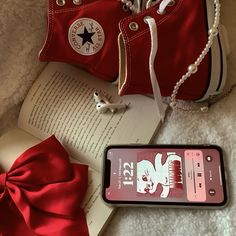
point(174, 42)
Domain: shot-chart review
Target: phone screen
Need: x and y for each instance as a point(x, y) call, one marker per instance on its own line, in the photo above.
point(182, 175)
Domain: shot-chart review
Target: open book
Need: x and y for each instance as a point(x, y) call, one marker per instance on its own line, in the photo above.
point(61, 102)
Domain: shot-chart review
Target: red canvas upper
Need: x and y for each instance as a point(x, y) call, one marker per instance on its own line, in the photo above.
point(182, 35)
point(85, 35)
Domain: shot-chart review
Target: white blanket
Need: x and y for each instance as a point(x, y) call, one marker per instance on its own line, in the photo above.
point(22, 33)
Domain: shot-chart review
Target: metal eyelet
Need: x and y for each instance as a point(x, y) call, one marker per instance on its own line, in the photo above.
point(77, 2)
point(172, 3)
point(60, 3)
point(133, 26)
point(125, 8)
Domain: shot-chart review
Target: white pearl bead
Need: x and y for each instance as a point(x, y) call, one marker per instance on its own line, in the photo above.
point(132, 8)
point(129, 4)
point(213, 31)
point(173, 104)
point(192, 68)
point(204, 109)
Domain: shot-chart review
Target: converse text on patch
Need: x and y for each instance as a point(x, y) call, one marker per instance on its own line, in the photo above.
point(86, 36)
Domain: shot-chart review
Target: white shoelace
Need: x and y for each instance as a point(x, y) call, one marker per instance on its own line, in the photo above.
point(154, 46)
point(213, 32)
point(162, 6)
point(155, 85)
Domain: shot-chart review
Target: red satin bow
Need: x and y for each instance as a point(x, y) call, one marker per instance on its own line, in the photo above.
point(42, 192)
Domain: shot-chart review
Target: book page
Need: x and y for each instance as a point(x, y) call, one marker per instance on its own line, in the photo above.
point(97, 212)
point(61, 103)
point(16, 141)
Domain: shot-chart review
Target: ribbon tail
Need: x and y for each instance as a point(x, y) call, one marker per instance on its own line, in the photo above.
point(78, 228)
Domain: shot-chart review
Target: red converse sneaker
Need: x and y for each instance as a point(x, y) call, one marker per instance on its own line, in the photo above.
point(190, 61)
point(85, 33)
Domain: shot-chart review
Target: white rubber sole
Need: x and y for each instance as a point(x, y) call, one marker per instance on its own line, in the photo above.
point(219, 51)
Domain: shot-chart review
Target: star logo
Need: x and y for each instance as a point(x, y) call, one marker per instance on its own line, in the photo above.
point(86, 36)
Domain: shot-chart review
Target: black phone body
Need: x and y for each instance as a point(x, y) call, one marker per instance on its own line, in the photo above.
point(164, 175)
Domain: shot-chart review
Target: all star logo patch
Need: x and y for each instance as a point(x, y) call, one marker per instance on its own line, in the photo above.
point(86, 36)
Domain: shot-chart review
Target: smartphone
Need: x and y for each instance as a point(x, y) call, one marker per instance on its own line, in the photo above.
point(164, 175)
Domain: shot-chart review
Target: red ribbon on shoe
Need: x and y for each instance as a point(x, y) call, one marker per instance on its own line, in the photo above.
point(42, 192)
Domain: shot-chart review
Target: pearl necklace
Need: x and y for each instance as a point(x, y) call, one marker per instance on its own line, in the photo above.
point(192, 69)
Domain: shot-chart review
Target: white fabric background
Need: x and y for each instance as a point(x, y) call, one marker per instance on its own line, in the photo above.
point(22, 32)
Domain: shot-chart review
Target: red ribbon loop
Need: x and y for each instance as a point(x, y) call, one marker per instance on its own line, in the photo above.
point(2, 182)
point(43, 193)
